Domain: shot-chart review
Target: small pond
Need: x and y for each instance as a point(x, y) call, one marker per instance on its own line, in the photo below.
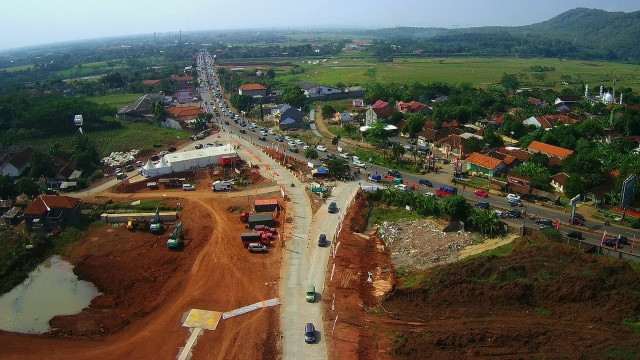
point(49, 290)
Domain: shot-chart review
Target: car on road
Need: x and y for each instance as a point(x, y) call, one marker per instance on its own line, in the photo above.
point(513, 197)
point(514, 213)
point(333, 207)
point(547, 227)
point(360, 164)
point(544, 222)
point(294, 149)
point(321, 148)
point(345, 155)
point(481, 193)
point(394, 173)
point(263, 133)
point(305, 147)
point(280, 138)
point(255, 247)
point(612, 242)
point(271, 132)
point(499, 213)
point(291, 143)
point(425, 182)
point(188, 187)
point(311, 293)
point(579, 216)
point(322, 240)
point(402, 187)
point(482, 205)
point(430, 194)
point(515, 202)
point(331, 156)
point(263, 138)
point(309, 333)
point(199, 146)
point(575, 235)
point(299, 142)
point(576, 221)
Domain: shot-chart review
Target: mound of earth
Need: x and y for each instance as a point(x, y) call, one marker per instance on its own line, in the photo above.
point(540, 300)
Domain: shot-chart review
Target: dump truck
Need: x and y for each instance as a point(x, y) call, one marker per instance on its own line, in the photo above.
point(258, 237)
point(257, 219)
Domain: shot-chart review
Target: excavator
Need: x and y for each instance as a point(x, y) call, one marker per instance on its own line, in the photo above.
point(175, 240)
point(155, 226)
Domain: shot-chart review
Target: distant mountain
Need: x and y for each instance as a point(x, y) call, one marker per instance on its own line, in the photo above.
point(579, 33)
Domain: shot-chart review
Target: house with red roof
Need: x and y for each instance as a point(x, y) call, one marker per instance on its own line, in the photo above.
point(52, 211)
point(184, 113)
point(485, 164)
point(549, 150)
point(150, 82)
point(252, 90)
point(558, 180)
point(414, 107)
point(379, 111)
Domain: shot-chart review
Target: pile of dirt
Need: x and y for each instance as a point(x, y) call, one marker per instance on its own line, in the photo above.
point(422, 244)
point(542, 300)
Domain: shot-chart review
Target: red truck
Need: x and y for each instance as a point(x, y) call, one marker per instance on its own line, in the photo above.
point(256, 237)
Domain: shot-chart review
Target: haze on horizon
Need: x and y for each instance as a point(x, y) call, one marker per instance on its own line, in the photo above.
point(37, 22)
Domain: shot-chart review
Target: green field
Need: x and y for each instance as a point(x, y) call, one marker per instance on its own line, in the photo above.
point(17, 68)
point(133, 135)
point(479, 72)
point(116, 100)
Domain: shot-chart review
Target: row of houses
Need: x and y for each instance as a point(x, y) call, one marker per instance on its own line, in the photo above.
point(16, 160)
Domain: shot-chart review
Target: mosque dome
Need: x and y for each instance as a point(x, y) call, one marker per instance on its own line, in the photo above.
point(608, 98)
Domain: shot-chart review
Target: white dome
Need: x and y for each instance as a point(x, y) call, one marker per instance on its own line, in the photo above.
point(608, 98)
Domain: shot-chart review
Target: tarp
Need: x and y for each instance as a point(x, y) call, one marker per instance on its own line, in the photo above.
point(321, 169)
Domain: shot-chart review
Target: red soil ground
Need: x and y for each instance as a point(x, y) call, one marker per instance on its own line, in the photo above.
point(543, 300)
point(147, 289)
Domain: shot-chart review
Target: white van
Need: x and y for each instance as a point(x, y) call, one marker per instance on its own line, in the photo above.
point(219, 185)
point(188, 187)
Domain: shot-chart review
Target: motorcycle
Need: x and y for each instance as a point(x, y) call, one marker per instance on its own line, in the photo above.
point(293, 185)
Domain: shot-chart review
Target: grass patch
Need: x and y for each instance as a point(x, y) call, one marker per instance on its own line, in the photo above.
point(635, 325)
point(392, 214)
point(542, 311)
point(17, 68)
point(498, 252)
point(144, 206)
point(116, 100)
point(412, 281)
point(619, 354)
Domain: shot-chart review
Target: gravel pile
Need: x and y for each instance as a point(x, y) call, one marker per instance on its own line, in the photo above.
point(421, 244)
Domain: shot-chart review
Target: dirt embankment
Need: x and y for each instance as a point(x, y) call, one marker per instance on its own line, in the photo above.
point(543, 300)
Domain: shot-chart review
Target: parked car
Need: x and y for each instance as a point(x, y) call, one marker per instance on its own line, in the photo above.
point(425, 182)
point(514, 213)
point(293, 149)
point(481, 193)
point(311, 293)
point(482, 205)
point(321, 148)
point(188, 187)
point(430, 194)
point(172, 149)
point(576, 221)
point(544, 222)
point(271, 132)
point(575, 235)
point(291, 143)
point(402, 187)
point(513, 197)
point(547, 227)
point(322, 240)
point(331, 156)
point(333, 207)
point(255, 247)
point(394, 173)
point(309, 333)
point(345, 155)
point(299, 142)
point(499, 213)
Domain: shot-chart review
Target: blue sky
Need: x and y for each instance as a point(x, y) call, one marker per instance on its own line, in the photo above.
point(34, 22)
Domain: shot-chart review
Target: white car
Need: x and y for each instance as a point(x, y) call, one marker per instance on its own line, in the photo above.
point(299, 142)
point(321, 148)
point(360, 164)
point(271, 132)
point(513, 197)
point(430, 194)
point(345, 155)
point(305, 147)
point(499, 213)
point(402, 187)
point(188, 187)
point(291, 143)
point(263, 133)
point(355, 158)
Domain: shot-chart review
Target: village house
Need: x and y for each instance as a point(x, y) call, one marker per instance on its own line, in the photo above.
point(558, 181)
point(15, 160)
point(51, 211)
point(252, 90)
point(379, 111)
point(289, 117)
point(184, 113)
point(549, 150)
point(480, 163)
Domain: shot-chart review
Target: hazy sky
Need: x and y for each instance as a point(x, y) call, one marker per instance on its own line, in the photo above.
point(34, 22)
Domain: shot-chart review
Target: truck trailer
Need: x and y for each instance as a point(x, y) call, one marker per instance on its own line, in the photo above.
point(255, 238)
point(257, 219)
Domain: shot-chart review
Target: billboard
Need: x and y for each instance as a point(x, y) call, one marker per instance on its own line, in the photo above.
point(628, 187)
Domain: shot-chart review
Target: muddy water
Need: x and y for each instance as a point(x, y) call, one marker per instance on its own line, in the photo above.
point(51, 289)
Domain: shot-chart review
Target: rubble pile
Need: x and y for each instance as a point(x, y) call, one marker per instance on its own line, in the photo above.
point(421, 244)
point(119, 158)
